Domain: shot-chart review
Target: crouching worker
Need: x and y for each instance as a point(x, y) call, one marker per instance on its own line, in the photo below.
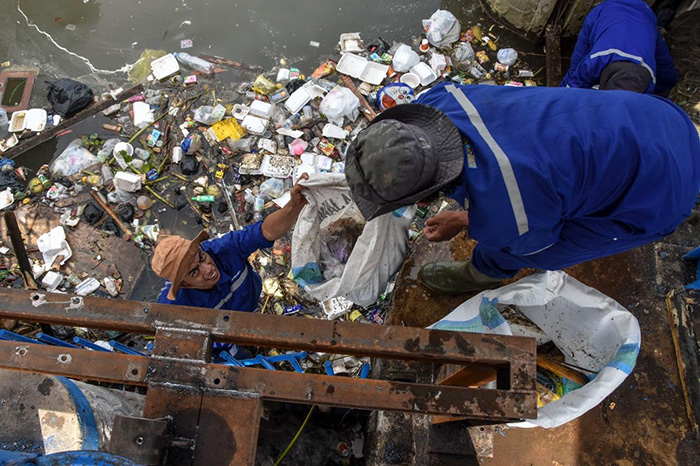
point(215, 273)
point(549, 177)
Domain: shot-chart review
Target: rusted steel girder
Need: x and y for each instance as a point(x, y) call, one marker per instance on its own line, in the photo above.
point(216, 408)
point(391, 342)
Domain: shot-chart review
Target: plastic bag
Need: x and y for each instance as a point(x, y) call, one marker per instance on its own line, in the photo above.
point(442, 28)
point(272, 188)
point(593, 331)
point(338, 241)
point(73, 159)
point(507, 56)
point(340, 103)
point(67, 97)
point(462, 56)
point(209, 115)
point(375, 257)
point(404, 59)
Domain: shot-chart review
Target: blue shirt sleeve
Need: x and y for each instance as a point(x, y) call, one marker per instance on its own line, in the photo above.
point(242, 242)
point(666, 74)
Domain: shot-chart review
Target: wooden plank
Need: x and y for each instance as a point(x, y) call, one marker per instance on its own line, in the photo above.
point(86, 242)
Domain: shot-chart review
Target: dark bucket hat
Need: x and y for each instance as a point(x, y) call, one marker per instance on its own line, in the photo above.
point(407, 153)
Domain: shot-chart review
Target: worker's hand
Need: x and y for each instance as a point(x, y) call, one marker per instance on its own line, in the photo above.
point(297, 197)
point(445, 225)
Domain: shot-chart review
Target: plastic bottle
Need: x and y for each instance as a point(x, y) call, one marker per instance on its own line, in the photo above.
point(204, 198)
point(258, 208)
point(195, 63)
point(292, 121)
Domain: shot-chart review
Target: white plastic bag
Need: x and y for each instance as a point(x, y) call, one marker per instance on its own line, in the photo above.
point(507, 57)
point(377, 255)
point(340, 103)
point(462, 56)
point(208, 115)
point(404, 59)
point(442, 28)
point(593, 331)
point(73, 159)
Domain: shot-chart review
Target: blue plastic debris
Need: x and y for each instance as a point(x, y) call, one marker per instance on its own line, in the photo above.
point(89, 345)
point(49, 340)
point(12, 336)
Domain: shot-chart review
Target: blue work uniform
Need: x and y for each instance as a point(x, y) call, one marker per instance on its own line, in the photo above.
point(621, 30)
point(554, 177)
point(239, 286)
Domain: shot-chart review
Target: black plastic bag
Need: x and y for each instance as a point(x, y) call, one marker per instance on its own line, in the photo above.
point(68, 97)
point(189, 165)
point(378, 46)
point(92, 213)
point(8, 179)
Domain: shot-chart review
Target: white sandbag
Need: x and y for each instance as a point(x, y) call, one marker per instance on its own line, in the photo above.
point(377, 255)
point(593, 331)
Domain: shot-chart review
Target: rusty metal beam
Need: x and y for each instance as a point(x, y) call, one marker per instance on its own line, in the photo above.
point(438, 346)
point(270, 385)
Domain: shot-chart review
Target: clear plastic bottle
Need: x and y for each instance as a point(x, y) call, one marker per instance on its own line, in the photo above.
point(258, 208)
point(195, 63)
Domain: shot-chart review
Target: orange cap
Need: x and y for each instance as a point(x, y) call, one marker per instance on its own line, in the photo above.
point(172, 257)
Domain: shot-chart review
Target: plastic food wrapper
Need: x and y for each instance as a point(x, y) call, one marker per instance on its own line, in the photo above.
point(591, 330)
point(72, 160)
point(338, 104)
point(393, 95)
point(376, 256)
point(442, 28)
point(404, 59)
point(208, 115)
point(338, 241)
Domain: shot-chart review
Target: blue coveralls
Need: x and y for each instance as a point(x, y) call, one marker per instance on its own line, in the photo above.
point(562, 176)
point(239, 285)
point(621, 30)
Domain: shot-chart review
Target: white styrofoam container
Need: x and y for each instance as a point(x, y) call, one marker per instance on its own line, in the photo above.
point(255, 125)
point(51, 280)
point(129, 182)
point(297, 100)
point(165, 66)
point(261, 109)
point(425, 73)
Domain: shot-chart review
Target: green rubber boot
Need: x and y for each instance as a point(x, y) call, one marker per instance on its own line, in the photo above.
point(455, 277)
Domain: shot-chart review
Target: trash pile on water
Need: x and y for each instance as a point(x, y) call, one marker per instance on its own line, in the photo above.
point(231, 151)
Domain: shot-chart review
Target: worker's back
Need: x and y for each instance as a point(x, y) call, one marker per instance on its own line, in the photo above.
point(616, 163)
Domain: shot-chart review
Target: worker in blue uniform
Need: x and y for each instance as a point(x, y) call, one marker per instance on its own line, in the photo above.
point(215, 273)
point(620, 48)
point(549, 177)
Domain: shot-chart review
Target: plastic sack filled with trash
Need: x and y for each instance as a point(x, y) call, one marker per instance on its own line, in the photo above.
point(72, 160)
point(333, 254)
point(442, 28)
point(595, 335)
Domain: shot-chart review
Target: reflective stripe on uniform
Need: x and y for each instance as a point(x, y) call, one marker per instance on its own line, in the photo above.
point(234, 286)
point(626, 55)
point(516, 199)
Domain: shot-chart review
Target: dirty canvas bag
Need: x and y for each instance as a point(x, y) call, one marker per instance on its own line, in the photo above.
point(593, 331)
point(376, 256)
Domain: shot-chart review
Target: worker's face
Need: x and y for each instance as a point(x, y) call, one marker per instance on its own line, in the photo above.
point(202, 274)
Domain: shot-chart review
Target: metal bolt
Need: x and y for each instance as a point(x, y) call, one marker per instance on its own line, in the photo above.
point(139, 440)
point(145, 310)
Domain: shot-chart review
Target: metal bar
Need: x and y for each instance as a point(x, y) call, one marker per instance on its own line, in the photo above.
point(271, 385)
point(20, 251)
point(92, 110)
point(228, 428)
point(438, 346)
point(77, 363)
